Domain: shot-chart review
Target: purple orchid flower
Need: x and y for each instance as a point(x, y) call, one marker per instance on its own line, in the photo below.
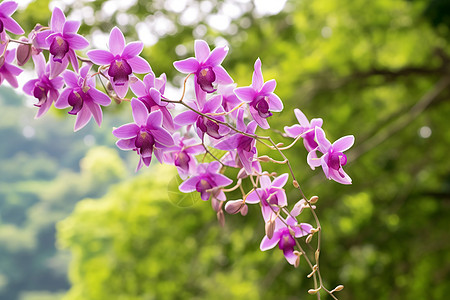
point(149, 92)
point(7, 8)
point(145, 136)
point(229, 99)
point(8, 71)
point(260, 97)
point(122, 60)
point(182, 155)
point(244, 145)
point(305, 128)
point(283, 237)
point(202, 123)
point(206, 67)
point(84, 98)
point(207, 182)
point(271, 195)
point(46, 87)
point(62, 39)
point(333, 158)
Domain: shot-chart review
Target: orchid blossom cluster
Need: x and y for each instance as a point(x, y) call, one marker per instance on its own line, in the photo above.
point(220, 116)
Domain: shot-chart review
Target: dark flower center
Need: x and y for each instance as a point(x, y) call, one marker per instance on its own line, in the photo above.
point(76, 101)
point(336, 160)
point(59, 47)
point(209, 127)
point(40, 93)
point(1, 26)
point(144, 142)
point(182, 160)
point(245, 143)
point(119, 71)
point(261, 104)
point(202, 187)
point(205, 78)
point(286, 240)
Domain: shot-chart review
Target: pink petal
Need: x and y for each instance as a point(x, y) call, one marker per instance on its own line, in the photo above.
point(57, 68)
point(132, 49)
point(71, 27)
point(116, 41)
point(212, 104)
point(186, 118)
point(316, 122)
point(29, 86)
point(126, 131)
point(163, 138)
point(201, 49)
point(155, 95)
point(262, 122)
point(139, 111)
point(189, 65)
point(275, 103)
point(302, 120)
point(222, 76)
point(321, 140)
point(70, 78)
point(76, 41)
point(221, 180)
point(154, 120)
point(229, 143)
point(41, 39)
point(216, 57)
point(126, 144)
point(11, 79)
point(95, 110)
point(302, 229)
point(58, 19)
point(257, 79)
point(139, 88)
point(63, 100)
point(281, 180)
point(264, 182)
point(39, 64)
point(121, 90)
point(246, 94)
point(290, 256)
point(189, 185)
point(8, 7)
point(83, 117)
point(267, 243)
point(99, 97)
point(139, 65)
point(100, 57)
point(294, 130)
point(11, 25)
point(337, 176)
point(73, 59)
point(268, 87)
point(312, 159)
point(344, 143)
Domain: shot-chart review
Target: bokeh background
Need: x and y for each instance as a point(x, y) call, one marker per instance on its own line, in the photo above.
point(77, 223)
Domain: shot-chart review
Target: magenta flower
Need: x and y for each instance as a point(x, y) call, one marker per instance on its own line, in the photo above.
point(122, 60)
point(206, 66)
point(305, 128)
point(283, 237)
point(207, 181)
point(270, 195)
point(8, 71)
point(84, 98)
point(202, 123)
point(62, 39)
point(145, 136)
point(229, 98)
point(260, 97)
point(182, 155)
point(333, 158)
point(149, 92)
point(7, 8)
point(244, 145)
point(46, 87)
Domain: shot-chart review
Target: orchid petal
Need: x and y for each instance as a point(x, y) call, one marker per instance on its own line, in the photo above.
point(83, 117)
point(344, 143)
point(58, 19)
point(139, 65)
point(246, 94)
point(189, 65)
point(257, 79)
point(201, 49)
point(139, 111)
point(100, 57)
point(126, 131)
point(222, 76)
point(116, 41)
point(132, 49)
point(216, 57)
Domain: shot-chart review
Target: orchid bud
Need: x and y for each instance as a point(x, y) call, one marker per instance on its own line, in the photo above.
point(233, 207)
point(314, 199)
point(244, 210)
point(338, 288)
point(23, 52)
point(221, 218)
point(270, 228)
point(297, 260)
